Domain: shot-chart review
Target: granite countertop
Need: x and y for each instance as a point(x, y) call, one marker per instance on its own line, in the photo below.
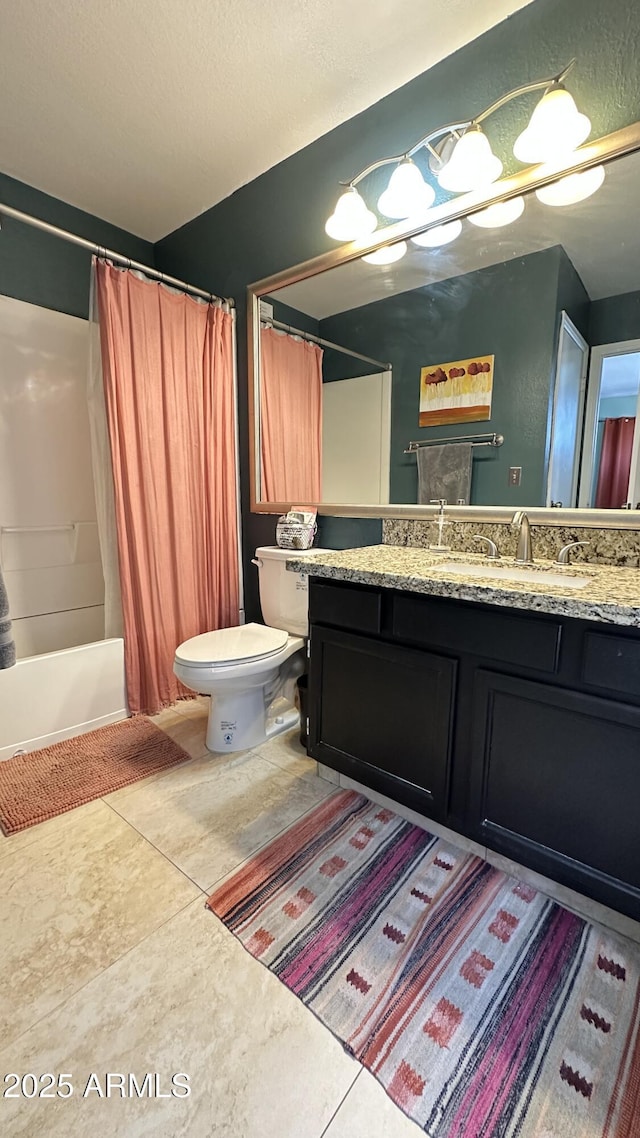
point(611, 594)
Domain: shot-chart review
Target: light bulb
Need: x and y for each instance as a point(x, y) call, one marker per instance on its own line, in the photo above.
point(439, 235)
point(350, 219)
point(387, 255)
point(501, 213)
point(407, 195)
point(556, 128)
point(471, 165)
point(574, 188)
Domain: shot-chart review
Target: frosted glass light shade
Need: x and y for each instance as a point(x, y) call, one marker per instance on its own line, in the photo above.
point(386, 255)
point(350, 219)
point(407, 195)
point(574, 188)
point(556, 128)
point(439, 235)
point(501, 213)
point(472, 164)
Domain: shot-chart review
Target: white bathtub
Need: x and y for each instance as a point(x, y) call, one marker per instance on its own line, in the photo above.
point(59, 694)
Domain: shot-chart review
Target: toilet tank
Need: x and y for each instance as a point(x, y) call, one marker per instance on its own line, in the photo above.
point(284, 596)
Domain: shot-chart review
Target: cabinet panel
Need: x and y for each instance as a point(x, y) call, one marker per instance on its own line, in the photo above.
point(529, 641)
point(385, 708)
point(560, 770)
point(612, 662)
point(352, 607)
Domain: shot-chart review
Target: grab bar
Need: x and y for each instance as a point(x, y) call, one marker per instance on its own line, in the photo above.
point(38, 529)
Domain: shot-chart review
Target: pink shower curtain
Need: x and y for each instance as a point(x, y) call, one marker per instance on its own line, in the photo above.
point(291, 419)
point(612, 488)
point(169, 392)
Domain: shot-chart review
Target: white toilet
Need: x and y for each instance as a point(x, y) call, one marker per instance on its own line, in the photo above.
point(250, 670)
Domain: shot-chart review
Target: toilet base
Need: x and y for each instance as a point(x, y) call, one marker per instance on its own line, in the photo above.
point(240, 721)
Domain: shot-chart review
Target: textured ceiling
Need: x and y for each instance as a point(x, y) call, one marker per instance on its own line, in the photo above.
point(147, 112)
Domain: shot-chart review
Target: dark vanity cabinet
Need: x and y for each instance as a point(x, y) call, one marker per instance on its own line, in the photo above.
point(517, 729)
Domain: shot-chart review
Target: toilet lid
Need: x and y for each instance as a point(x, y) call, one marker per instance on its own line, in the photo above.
point(232, 645)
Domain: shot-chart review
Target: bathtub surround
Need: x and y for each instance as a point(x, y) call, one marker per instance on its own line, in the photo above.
point(39, 786)
point(169, 388)
point(7, 646)
point(479, 1004)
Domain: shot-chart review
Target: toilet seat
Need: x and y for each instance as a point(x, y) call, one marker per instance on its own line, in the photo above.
point(227, 646)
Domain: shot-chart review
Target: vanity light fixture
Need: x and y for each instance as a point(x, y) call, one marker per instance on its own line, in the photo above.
point(407, 195)
point(556, 128)
point(439, 235)
point(387, 254)
point(501, 213)
point(472, 164)
point(461, 160)
point(351, 219)
point(572, 188)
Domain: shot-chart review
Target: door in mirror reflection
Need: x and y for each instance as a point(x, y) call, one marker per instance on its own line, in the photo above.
point(611, 464)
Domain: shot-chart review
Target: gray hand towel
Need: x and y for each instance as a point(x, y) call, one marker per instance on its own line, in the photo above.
point(7, 646)
point(444, 471)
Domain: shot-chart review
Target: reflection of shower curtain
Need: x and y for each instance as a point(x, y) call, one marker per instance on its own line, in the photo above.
point(615, 464)
point(170, 401)
point(290, 419)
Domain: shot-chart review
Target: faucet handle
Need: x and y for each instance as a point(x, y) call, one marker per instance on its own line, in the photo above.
point(563, 556)
point(492, 549)
point(441, 502)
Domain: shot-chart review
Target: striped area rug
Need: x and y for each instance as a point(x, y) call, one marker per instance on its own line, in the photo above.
point(484, 1009)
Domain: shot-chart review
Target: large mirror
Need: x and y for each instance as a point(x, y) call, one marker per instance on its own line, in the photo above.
point(489, 366)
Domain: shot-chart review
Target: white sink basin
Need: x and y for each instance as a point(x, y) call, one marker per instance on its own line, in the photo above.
point(503, 572)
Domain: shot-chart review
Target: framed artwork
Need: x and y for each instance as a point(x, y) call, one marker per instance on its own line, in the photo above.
point(457, 392)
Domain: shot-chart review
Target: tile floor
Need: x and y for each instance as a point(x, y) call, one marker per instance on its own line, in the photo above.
point(109, 963)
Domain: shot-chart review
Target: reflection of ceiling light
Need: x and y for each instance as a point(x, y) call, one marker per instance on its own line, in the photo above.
point(472, 163)
point(573, 188)
point(387, 255)
point(407, 195)
point(439, 235)
point(555, 129)
point(350, 219)
point(501, 213)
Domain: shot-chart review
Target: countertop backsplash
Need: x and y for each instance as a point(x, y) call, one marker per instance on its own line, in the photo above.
point(606, 546)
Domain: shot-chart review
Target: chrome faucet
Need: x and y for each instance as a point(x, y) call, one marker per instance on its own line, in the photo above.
point(520, 521)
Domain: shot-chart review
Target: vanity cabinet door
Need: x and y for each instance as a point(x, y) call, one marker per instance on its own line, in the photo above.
point(556, 784)
point(382, 714)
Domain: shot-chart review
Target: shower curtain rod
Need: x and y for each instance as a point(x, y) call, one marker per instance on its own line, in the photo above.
point(109, 254)
point(324, 343)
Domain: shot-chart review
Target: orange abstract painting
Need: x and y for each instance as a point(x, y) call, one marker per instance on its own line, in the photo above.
point(457, 392)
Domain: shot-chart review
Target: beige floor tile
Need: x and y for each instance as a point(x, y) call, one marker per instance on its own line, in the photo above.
point(188, 731)
point(72, 903)
point(189, 999)
point(287, 752)
point(368, 1112)
point(208, 816)
point(198, 707)
point(23, 838)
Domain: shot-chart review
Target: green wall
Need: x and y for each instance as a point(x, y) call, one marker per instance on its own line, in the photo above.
point(44, 270)
point(487, 312)
point(277, 220)
point(614, 319)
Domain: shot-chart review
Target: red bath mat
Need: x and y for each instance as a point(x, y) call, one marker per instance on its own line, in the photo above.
point(41, 784)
